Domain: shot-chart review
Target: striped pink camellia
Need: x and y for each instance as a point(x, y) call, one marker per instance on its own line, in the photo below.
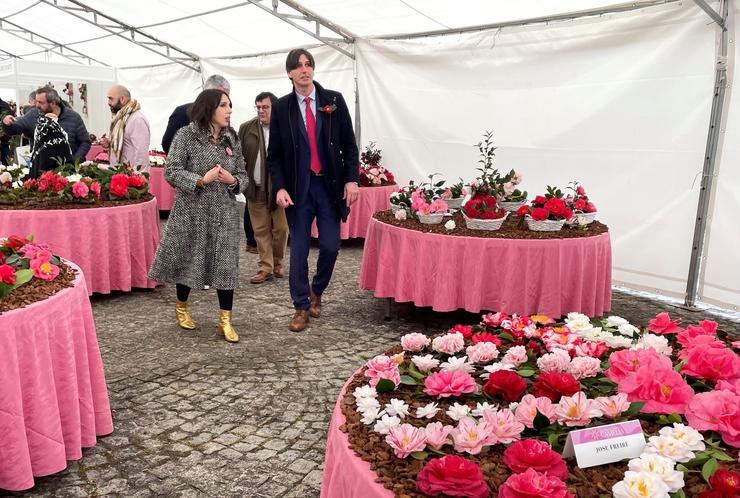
point(449, 383)
point(406, 439)
point(382, 367)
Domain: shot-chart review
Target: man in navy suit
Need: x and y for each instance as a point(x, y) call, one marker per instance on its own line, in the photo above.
point(313, 162)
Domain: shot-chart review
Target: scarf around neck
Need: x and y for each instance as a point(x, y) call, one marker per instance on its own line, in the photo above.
point(118, 125)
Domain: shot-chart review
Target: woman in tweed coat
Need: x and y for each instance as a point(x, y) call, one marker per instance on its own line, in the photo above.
point(200, 244)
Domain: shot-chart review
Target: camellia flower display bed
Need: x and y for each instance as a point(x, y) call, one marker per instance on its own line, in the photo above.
point(485, 410)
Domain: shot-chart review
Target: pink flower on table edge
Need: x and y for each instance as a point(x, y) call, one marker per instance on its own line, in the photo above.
point(662, 389)
point(406, 439)
point(382, 367)
point(470, 436)
point(613, 406)
point(627, 362)
point(415, 341)
point(454, 476)
point(711, 363)
point(449, 383)
point(717, 411)
point(7, 274)
point(535, 454)
point(43, 269)
point(662, 324)
point(482, 352)
point(80, 189)
point(509, 385)
point(437, 434)
point(527, 409)
point(532, 484)
point(577, 410)
point(505, 427)
point(449, 343)
point(584, 366)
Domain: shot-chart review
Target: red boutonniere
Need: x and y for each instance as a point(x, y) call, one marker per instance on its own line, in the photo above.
point(328, 109)
point(229, 152)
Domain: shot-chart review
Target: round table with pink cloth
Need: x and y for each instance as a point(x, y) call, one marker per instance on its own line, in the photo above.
point(370, 201)
point(53, 396)
point(523, 276)
point(114, 246)
point(160, 189)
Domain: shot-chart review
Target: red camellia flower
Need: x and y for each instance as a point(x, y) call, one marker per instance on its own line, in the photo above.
point(540, 200)
point(486, 337)
point(136, 181)
point(452, 475)
point(510, 385)
point(555, 385)
point(2, 258)
point(540, 214)
point(15, 242)
point(522, 210)
point(535, 454)
point(7, 274)
point(532, 484)
point(463, 329)
point(726, 482)
point(710, 493)
point(119, 185)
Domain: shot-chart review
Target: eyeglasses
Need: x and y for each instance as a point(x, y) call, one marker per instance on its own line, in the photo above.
point(261, 107)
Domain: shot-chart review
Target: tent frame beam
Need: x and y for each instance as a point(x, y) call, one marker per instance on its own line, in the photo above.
point(711, 12)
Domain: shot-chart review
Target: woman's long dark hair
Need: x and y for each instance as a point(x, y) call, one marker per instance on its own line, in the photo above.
point(205, 105)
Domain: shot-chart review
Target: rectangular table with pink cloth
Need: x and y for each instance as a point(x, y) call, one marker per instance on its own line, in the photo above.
point(160, 189)
point(53, 396)
point(523, 276)
point(114, 246)
point(370, 201)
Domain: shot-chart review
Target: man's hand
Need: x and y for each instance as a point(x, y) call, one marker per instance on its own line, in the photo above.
point(351, 193)
point(283, 198)
point(212, 174)
point(104, 142)
point(9, 120)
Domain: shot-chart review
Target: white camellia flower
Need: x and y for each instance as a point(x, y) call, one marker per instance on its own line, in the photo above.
point(669, 447)
point(397, 407)
point(657, 342)
point(365, 404)
point(74, 178)
point(615, 321)
point(579, 324)
point(628, 330)
point(5, 177)
point(615, 341)
point(576, 316)
point(425, 363)
point(495, 367)
point(427, 411)
point(366, 391)
point(482, 408)
point(450, 225)
point(455, 364)
point(386, 423)
point(688, 436)
point(458, 411)
point(640, 485)
point(661, 466)
point(370, 416)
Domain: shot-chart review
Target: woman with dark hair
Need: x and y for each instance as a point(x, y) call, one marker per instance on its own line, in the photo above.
point(200, 244)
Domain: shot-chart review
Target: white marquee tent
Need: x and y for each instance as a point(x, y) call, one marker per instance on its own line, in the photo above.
point(634, 100)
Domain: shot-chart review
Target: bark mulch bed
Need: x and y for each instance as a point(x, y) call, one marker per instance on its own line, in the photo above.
point(399, 475)
point(509, 230)
point(38, 290)
point(48, 204)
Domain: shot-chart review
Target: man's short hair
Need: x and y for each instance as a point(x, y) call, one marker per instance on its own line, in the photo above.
point(266, 95)
point(216, 81)
point(50, 94)
point(291, 62)
point(32, 96)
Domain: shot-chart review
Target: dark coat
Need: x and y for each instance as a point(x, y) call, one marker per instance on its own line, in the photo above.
point(178, 119)
point(287, 155)
point(252, 140)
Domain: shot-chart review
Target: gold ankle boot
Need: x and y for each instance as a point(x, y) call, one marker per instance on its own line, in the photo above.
point(224, 325)
point(183, 316)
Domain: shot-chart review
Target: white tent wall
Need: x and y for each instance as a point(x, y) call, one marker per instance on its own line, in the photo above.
point(620, 103)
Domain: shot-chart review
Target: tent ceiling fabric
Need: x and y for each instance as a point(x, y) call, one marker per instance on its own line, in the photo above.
point(238, 28)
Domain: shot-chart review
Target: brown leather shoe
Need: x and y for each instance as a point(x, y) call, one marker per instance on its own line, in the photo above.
point(279, 271)
point(260, 277)
point(252, 249)
point(315, 309)
point(299, 321)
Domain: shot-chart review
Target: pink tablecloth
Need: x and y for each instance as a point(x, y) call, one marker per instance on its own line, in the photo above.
point(114, 246)
point(345, 474)
point(371, 200)
point(160, 189)
point(94, 152)
point(553, 277)
point(53, 397)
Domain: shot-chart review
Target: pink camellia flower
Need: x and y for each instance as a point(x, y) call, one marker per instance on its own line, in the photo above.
point(537, 455)
point(716, 411)
point(438, 206)
point(95, 187)
point(437, 434)
point(557, 361)
point(414, 341)
point(406, 439)
point(447, 194)
point(505, 428)
point(532, 484)
point(699, 340)
point(736, 344)
point(483, 352)
point(577, 410)
point(494, 319)
point(613, 406)
point(729, 385)
point(470, 437)
point(34, 251)
point(43, 269)
point(515, 356)
point(584, 366)
point(449, 383)
point(560, 338)
point(452, 475)
point(662, 389)
point(449, 343)
point(711, 363)
point(591, 348)
point(706, 327)
point(80, 189)
point(662, 324)
point(400, 214)
point(382, 367)
point(527, 409)
point(627, 362)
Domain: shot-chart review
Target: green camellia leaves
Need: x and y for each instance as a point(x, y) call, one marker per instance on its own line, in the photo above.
point(385, 386)
point(709, 468)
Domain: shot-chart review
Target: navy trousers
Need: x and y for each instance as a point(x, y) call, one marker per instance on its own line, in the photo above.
point(317, 205)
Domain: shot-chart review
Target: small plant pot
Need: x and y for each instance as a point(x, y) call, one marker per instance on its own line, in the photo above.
point(511, 206)
point(582, 219)
point(454, 203)
point(480, 224)
point(544, 225)
point(431, 219)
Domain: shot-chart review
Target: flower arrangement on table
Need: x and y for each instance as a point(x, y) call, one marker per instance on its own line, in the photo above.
point(372, 174)
point(484, 410)
point(547, 212)
point(483, 213)
point(22, 260)
point(157, 158)
point(11, 178)
point(491, 182)
point(427, 201)
point(584, 211)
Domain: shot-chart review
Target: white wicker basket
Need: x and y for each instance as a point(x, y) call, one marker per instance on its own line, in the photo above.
point(431, 219)
point(455, 202)
point(582, 219)
point(511, 206)
point(479, 224)
point(395, 207)
point(544, 225)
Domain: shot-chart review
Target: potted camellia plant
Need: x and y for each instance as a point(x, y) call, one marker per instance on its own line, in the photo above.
point(546, 213)
point(482, 213)
point(584, 211)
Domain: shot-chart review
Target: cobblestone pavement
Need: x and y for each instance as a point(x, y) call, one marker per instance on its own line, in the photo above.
point(196, 416)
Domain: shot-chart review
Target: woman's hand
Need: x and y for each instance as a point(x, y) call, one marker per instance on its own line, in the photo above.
point(226, 177)
point(212, 174)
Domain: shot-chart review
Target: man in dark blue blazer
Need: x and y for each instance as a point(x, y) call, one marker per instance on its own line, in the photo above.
point(313, 162)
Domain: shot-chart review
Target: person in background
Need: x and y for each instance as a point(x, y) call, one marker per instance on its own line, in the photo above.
point(48, 101)
point(313, 161)
point(268, 220)
point(31, 103)
point(5, 110)
point(200, 243)
point(50, 145)
point(129, 130)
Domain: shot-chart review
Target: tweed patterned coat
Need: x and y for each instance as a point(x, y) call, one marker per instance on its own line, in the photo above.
point(200, 244)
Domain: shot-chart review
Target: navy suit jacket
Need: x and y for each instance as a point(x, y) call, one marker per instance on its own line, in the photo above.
point(178, 119)
point(288, 157)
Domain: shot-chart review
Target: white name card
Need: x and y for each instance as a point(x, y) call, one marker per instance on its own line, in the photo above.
point(605, 444)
